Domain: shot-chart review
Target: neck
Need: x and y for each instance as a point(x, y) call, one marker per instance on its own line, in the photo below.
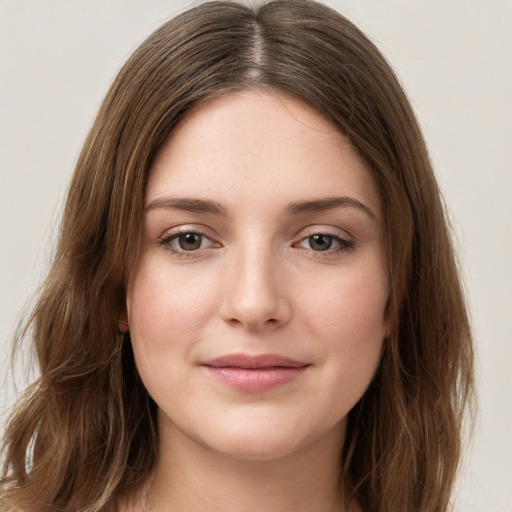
point(193, 477)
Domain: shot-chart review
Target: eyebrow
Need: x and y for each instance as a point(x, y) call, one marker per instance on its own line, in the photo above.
point(329, 203)
point(295, 208)
point(188, 204)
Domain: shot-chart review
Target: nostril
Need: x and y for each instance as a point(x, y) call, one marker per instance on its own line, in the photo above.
point(256, 304)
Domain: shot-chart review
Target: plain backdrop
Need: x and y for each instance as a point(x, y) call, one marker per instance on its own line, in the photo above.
point(454, 58)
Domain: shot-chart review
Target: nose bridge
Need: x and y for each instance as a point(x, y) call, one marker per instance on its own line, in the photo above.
point(254, 295)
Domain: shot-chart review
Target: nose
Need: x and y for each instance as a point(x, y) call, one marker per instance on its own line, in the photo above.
point(254, 294)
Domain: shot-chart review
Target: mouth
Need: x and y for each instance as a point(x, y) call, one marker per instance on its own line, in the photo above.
point(254, 374)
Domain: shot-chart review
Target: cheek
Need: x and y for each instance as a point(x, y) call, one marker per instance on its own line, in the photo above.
point(352, 303)
point(167, 312)
point(348, 315)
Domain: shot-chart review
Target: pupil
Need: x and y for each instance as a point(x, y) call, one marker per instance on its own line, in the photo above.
point(190, 241)
point(320, 242)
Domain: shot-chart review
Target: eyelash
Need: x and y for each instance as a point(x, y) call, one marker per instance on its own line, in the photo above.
point(344, 244)
point(167, 239)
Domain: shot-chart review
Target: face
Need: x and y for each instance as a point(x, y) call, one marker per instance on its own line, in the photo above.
point(256, 311)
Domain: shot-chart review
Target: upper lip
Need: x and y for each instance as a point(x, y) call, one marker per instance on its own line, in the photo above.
point(254, 361)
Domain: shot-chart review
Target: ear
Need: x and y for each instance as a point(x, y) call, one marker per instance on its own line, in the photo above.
point(389, 322)
point(388, 328)
point(122, 322)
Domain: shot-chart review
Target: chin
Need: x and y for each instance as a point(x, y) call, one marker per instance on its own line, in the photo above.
point(259, 447)
point(270, 441)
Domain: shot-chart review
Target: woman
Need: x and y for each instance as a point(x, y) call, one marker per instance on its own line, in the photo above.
point(254, 303)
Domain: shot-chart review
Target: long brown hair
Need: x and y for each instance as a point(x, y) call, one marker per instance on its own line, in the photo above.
point(86, 429)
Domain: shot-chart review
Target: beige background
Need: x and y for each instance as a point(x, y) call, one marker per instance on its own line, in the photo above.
point(454, 57)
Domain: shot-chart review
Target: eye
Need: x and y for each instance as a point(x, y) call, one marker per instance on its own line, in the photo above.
point(323, 242)
point(189, 241)
point(186, 242)
point(320, 242)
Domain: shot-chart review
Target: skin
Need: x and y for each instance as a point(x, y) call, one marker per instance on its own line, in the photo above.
point(256, 282)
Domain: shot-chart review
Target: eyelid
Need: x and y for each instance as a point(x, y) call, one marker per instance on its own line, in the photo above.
point(323, 229)
point(172, 234)
point(189, 228)
point(345, 241)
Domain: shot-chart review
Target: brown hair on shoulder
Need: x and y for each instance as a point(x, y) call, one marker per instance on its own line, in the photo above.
point(86, 430)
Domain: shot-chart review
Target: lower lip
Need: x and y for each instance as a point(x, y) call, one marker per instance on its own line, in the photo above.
point(255, 380)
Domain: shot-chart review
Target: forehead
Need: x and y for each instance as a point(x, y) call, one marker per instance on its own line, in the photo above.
point(254, 144)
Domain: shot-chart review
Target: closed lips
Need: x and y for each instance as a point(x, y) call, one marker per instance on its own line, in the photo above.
point(254, 374)
point(254, 362)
